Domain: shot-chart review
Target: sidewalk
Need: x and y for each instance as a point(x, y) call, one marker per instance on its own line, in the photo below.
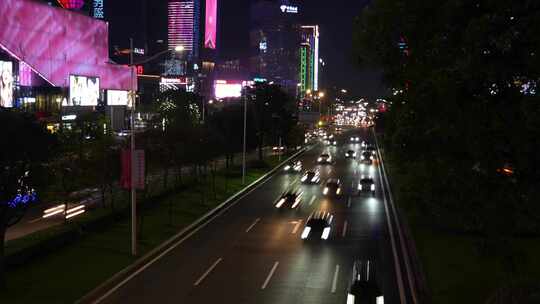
point(33, 221)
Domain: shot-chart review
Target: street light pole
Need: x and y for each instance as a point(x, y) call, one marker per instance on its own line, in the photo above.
point(244, 150)
point(132, 152)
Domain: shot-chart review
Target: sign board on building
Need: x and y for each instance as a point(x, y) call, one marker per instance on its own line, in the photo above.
point(289, 9)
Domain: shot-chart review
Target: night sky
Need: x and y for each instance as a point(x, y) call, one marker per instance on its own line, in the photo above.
point(335, 17)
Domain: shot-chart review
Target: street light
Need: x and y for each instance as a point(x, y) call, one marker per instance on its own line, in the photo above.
point(133, 95)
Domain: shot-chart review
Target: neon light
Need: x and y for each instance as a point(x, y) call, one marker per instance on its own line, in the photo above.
point(71, 4)
point(210, 24)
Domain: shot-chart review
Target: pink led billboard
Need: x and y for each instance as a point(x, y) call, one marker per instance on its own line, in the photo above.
point(56, 43)
point(210, 24)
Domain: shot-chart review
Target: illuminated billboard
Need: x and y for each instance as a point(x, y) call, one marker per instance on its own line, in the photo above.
point(224, 89)
point(117, 98)
point(6, 84)
point(83, 91)
point(211, 24)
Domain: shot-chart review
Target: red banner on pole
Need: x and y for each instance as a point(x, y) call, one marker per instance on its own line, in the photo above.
point(139, 170)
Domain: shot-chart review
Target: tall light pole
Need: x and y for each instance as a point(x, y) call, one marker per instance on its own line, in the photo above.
point(244, 148)
point(132, 146)
point(132, 153)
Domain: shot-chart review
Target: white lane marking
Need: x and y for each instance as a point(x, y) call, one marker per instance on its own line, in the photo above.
point(207, 272)
point(176, 244)
point(253, 225)
point(349, 202)
point(270, 275)
point(295, 229)
point(313, 198)
point(334, 282)
point(344, 229)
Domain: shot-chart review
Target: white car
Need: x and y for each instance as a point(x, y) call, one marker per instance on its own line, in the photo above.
point(324, 158)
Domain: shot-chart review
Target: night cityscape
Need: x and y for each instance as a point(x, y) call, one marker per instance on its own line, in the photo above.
point(269, 151)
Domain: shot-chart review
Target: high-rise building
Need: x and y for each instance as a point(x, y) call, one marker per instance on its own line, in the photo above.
point(274, 40)
point(309, 59)
point(184, 26)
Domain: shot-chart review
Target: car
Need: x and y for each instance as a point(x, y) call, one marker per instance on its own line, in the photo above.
point(371, 149)
point(318, 226)
point(363, 287)
point(367, 157)
point(350, 154)
point(332, 187)
point(294, 166)
point(355, 139)
point(289, 200)
point(311, 177)
point(366, 185)
point(324, 158)
point(278, 149)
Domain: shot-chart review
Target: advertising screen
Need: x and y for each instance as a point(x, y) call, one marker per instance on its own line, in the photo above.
point(210, 24)
point(117, 98)
point(6, 84)
point(225, 90)
point(83, 91)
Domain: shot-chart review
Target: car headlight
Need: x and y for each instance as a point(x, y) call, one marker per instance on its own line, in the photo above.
point(305, 233)
point(362, 157)
point(325, 233)
point(325, 191)
point(338, 191)
point(304, 178)
point(315, 179)
point(296, 202)
point(287, 168)
point(319, 159)
point(360, 187)
point(350, 298)
point(373, 187)
point(280, 203)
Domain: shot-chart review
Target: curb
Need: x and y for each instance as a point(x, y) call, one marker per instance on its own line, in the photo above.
point(105, 288)
point(419, 291)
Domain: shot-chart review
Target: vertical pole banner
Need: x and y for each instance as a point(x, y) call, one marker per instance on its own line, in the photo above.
point(125, 179)
point(139, 169)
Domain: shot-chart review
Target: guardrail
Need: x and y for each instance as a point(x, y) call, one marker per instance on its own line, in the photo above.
point(104, 290)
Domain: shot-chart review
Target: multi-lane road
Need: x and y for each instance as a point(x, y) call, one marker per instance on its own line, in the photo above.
point(252, 253)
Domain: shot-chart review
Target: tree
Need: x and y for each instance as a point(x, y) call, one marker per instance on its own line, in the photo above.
point(272, 110)
point(25, 147)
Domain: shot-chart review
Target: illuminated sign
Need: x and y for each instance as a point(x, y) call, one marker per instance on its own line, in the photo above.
point(263, 46)
point(117, 98)
point(6, 84)
point(83, 91)
point(224, 89)
point(139, 69)
point(210, 24)
point(165, 80)
point(25, 74)
point(138, 51)
point(69, 117)
point(289, 9)
point(98, 11)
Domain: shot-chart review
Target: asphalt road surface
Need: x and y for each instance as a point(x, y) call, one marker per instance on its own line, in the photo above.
point(253, 253)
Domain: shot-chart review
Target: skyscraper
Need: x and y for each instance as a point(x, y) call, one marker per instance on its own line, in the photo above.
point(309, 58)
point(274, 40)
point(184, 26)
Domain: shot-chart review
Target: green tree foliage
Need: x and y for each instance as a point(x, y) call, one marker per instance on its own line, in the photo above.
point(25, 146)
point(468, 72)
